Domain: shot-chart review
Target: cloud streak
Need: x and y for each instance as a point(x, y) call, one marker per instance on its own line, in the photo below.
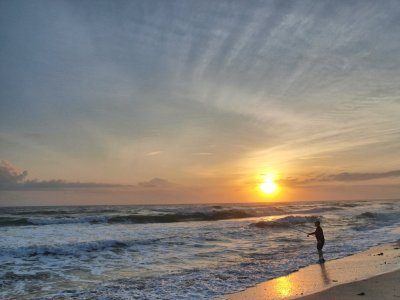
point(155, 183)
point(345, 176)
point(339, 177)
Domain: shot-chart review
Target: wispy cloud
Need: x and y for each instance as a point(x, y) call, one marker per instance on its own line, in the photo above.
point(345, 176)
point(152, 153)
point(339, 177)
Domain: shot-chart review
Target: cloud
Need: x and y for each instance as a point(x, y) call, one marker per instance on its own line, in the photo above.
point(10, 175)
point(62, 184)
point(153, 153)
point(14, 179)
point(339, 177)
point(11, 178)
point(155, 183)
point(361, 176)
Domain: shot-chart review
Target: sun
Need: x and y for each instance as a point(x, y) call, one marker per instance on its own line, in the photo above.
point(268, 186)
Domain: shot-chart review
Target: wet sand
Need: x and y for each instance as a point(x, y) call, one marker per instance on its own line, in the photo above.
point(382, 287)
point(357, 276)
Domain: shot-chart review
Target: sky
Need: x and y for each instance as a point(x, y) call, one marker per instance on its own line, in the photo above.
point(124, 102)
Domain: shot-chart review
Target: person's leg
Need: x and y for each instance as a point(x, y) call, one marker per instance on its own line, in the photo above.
point(320, 254)
point(320, 245)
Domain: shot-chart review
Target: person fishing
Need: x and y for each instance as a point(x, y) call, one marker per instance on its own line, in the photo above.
point(319, 235)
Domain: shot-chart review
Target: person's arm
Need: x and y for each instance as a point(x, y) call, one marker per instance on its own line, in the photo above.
point(311, 233)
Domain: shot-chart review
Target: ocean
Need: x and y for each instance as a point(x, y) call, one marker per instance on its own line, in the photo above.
point(175, 251)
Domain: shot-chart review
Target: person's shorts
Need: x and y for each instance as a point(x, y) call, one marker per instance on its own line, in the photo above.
point(320, 244)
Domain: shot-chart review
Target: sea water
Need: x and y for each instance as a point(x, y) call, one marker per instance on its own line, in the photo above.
point(175, 252)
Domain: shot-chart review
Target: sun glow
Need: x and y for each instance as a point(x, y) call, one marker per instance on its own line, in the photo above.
point(268, 186)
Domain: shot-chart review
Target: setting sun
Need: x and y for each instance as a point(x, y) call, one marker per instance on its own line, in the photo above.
point(268, 186)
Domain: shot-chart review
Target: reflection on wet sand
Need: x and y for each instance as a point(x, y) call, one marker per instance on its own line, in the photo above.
point(283, 286)
point(288, 286)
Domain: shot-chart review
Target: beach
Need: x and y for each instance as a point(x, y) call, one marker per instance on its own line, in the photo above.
point(199, 149)
point(384, 287)
point(372, 274)
point(192, 251)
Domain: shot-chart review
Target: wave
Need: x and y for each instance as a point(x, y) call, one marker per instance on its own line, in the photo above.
point(213, 215)
point(68, 220)
point(285, 222)
point(183, 217)
point(153, 215)
point(372, 220)
point(74, 248)
point(320, 210)
point(381, 217)
point(18, 277)
point(6, 221)
point(56, 212)
point(350, 204)
point(367, 215)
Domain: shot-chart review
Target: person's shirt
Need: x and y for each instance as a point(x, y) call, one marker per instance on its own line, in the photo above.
point(319, 234)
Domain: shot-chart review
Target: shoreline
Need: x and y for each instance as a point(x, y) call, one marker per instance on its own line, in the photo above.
point(379, 266)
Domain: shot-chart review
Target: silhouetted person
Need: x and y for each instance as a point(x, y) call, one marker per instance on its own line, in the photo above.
point(319, 234)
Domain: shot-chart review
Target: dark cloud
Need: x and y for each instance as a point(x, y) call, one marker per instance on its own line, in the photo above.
point(339, 177)
point(10, 175)
point(155, 183)
point(62, 184)
point(11, 178)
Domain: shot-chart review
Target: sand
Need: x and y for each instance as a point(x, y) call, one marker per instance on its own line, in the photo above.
point(382, 287)
point(373, 274)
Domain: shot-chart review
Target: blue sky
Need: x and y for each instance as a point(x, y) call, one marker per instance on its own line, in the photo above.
point(206, 96)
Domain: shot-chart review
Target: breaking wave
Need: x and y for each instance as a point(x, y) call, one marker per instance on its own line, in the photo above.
point(285, 222)
point(367, 215)
point(74, 248)
point(214, 214)
point(183, 217)
point(320, 210)
point(380, 217)
point(6, 221)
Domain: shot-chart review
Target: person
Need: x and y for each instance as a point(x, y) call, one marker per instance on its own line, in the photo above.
point(319, 235)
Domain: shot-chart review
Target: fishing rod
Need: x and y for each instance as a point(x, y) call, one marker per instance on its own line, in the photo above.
point(294, 228)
